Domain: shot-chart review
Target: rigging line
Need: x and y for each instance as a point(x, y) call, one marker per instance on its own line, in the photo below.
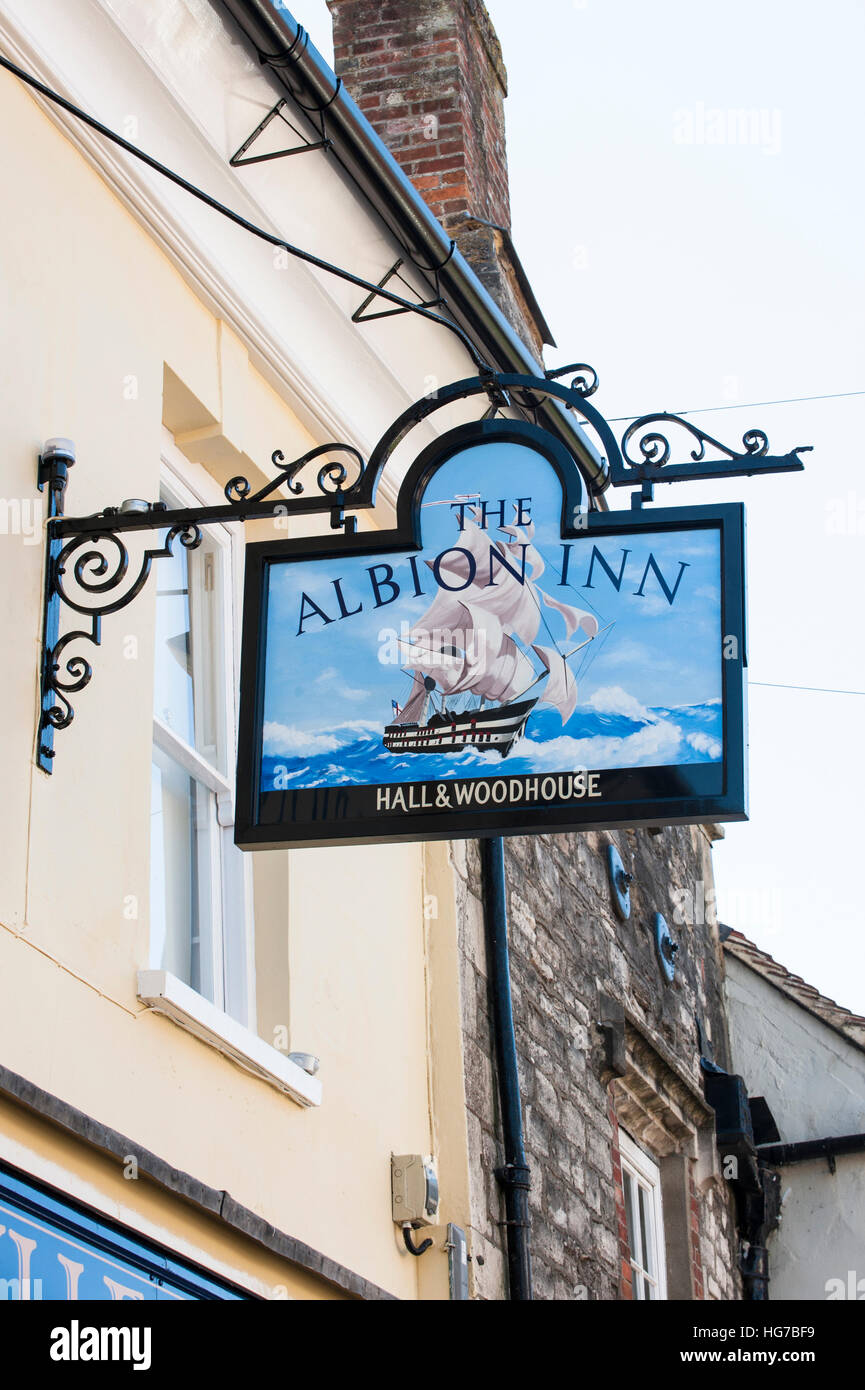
point(531, 587)
point(818, 689)
point(583, 599)
point(235, 217)
point(593, 653)
point(747, 405)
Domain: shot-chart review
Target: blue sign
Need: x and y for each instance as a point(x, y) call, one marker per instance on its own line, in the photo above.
point(51, 1248)
point(522, 666)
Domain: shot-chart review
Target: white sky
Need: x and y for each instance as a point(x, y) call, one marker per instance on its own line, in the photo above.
point(690, 274)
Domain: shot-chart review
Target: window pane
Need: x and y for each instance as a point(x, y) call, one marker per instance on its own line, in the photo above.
point(646, 1228)
point(628, 1184)
point(187, 692)
point(183, 849)
point(173, 689)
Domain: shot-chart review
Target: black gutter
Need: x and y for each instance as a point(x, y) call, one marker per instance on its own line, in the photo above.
point(780, 1154)
point(514, 1177)
point(302, 72)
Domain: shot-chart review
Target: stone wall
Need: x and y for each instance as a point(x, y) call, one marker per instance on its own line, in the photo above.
point(568, 950)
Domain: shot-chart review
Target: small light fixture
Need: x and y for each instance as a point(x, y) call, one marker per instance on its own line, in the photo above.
point(306, 1061)
point(58, 448)
point(134, 504)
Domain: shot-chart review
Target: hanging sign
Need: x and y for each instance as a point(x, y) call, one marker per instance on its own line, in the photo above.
point(502, 662)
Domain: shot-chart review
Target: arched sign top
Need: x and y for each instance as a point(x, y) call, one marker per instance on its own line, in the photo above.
point(527, 391)
point(528, 440)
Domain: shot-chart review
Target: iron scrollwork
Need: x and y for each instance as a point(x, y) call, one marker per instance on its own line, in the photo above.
point(88, 562)
point(97, 576)
point(656, 450)
point(329, 480)
point(585, 380)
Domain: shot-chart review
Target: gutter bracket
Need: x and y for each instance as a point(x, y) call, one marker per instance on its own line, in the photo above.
point(240, 156)
point(361, 316)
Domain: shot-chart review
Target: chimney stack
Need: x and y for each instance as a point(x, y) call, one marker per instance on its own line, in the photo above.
point(429, 77)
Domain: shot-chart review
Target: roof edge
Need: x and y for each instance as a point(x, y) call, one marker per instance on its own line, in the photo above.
point(835, 1016)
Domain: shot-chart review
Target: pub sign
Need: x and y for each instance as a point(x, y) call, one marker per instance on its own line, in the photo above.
point(501, 662)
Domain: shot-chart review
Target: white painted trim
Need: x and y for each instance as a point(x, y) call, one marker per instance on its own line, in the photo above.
point(167, 995)
point(193, 485)
point(197, 767)
point(646, 1170)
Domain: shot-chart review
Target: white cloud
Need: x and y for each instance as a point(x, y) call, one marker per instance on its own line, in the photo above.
point(651, 605)
point(702, 743)
point(612, 699)
point(656, 744)
point(285, 740)
point(332, 678)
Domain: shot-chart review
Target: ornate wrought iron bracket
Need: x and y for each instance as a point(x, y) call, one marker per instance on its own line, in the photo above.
point(653, 465)
point(87, 563)
point(240, 156)
point(87, 566)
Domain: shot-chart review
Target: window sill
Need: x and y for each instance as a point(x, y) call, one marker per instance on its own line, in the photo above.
point(165, 994)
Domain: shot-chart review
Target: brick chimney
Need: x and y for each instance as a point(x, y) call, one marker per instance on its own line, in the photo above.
point(429, 77)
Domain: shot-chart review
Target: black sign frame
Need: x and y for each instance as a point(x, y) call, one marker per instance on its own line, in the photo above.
point(680, 795)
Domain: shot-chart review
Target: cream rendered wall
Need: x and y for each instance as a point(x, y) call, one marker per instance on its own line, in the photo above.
point(95, 313)
point(814, 1082)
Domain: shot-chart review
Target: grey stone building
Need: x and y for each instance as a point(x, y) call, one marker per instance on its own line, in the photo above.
point(628, 1199)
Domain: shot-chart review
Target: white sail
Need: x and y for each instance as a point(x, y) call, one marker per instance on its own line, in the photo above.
point(487, 597)
point(446, 667)
point(412, 711)
point(514, 603)
point(574, 617)
point(560, 690)
point(508, 676)
point(520, 544)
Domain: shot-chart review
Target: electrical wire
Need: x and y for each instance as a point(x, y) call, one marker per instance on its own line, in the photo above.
point(817, 689)
point(235, 217)
point(746, 405)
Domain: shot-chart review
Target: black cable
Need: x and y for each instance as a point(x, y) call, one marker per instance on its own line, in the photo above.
point(235, 217)
point(816, 689)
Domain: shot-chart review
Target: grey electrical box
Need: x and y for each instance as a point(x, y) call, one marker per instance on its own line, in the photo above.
point(414, 1189)
point(458, 1263)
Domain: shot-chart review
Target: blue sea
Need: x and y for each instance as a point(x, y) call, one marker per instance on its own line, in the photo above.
point(353, 754)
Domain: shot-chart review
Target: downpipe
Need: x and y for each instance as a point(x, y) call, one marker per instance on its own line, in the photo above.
point(514, 1177)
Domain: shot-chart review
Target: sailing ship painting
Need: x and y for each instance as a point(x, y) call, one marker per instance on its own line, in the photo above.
point(474, 684)
point(500, 649)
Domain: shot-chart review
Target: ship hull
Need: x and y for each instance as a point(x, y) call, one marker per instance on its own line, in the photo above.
point(496, 728)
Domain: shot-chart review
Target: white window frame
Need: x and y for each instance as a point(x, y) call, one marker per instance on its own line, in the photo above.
point(645, 1173)
point(232, 963)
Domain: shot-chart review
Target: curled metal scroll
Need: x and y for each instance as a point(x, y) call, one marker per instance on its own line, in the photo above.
point(585, 381)
point(656, 449)
point(329, 479)
point(95, 575)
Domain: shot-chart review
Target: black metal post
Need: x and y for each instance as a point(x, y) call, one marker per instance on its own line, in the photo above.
point(55, 461)
point(514, 1177)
